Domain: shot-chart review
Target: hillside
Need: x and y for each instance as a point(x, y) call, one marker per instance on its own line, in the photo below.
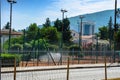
point(99, 18)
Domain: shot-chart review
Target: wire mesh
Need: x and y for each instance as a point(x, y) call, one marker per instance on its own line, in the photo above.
point(34, 66)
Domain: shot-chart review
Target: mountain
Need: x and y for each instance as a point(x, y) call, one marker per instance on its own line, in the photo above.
point(99, 18)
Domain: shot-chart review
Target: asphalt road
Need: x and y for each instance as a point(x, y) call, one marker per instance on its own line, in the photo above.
point(75, 74)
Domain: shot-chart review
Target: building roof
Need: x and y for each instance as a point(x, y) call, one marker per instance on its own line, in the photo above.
point(85, 38)
point(6, 32)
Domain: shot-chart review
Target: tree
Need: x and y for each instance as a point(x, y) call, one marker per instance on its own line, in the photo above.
point(75, 48)
point(118, 36)
point(110, 31)
point(116, 25)
point(118, 13)
point(49, 34)
point(7, 26)
point(17, 40)
point(58, 25)
point(47, 23)
point(66, 30)
point(103, 31)
point(31, 32)
point(117, 39)
point(16, 47)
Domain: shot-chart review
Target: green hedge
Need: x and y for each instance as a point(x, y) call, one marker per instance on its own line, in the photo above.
point(11, 56)
point(8, 59)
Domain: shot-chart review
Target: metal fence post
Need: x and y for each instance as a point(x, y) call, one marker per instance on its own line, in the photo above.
point(15, 69)
point(68, 68)
point(0, 41)
point(105, 64)
point(72, 56)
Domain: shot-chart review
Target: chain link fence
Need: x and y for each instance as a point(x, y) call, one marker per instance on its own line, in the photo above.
point(41, 65)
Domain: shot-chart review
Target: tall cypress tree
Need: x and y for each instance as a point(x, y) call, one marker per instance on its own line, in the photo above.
point(66, 30)
point(110, 31)
point(47, 23)
point(7, 26)
point(31, 32)
point(58, 25)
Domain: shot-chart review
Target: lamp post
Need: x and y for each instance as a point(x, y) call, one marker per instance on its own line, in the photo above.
point(0, 40)
point(11, 2)
point(115, 27)
point(115, 16)
point(0, 29)
point(96, 48)
point(80, 37)
point(63, 12)
point(80, 33)
point(79, 40)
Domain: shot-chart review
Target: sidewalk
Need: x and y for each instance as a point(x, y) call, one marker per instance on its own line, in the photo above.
point(57, 67)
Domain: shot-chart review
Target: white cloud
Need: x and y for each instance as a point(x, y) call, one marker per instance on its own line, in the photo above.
point(74, 7)
point(77, 7)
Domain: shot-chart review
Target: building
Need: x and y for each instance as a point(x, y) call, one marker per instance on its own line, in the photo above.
point(5, 35)
point(75, 36)
point(87, 33)
point(88, 28)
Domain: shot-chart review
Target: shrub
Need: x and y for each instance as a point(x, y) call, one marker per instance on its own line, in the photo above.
point(75, 49)
point(8, 58)
point(27, 46)
point(52, 47)
point(16, 47)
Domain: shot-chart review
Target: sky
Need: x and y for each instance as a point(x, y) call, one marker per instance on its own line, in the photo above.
point(26, 12)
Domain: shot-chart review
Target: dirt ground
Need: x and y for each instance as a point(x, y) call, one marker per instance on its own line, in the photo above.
point(86, 60)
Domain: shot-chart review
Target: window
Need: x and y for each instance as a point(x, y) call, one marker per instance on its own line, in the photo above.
point(86, 29)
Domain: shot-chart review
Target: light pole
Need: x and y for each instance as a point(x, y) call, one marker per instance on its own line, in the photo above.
point(115, 28)
point(80, 37)
point(96, 48)
point(80, 33)
point(63, 12)
point(0, 41)
point(115, 16)
point(11, 2)
point(0, 29)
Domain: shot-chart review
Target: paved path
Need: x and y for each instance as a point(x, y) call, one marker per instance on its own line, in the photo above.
point(75, 74)
point(22, 69)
